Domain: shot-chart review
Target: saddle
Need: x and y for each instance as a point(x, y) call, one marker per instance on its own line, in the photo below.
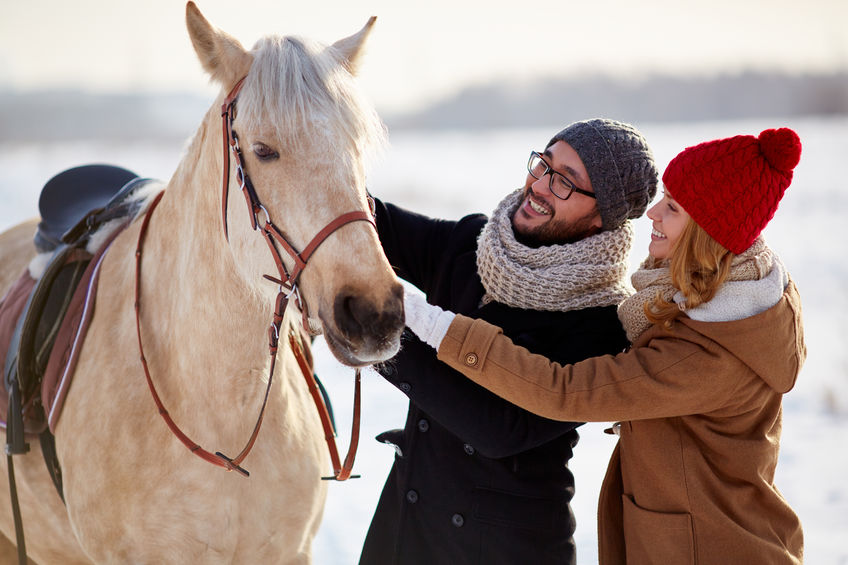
point(41, 319)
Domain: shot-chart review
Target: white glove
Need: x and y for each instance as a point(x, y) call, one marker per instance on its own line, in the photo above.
point(429, 322)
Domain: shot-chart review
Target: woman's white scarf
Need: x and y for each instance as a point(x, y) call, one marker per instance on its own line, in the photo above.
point(572, 276)
point(735, 299)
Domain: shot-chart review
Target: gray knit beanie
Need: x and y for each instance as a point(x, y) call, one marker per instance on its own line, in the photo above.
point(620, 166)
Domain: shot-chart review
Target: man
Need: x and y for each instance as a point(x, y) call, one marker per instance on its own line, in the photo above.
point(476, 479)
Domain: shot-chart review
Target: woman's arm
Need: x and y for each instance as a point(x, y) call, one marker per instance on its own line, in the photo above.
point(668, 376)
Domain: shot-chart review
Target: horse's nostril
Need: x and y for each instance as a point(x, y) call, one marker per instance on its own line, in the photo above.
point(358, 317)
point(354, 315)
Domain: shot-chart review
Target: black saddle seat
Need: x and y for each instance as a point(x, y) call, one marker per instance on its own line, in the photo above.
point(72, 195)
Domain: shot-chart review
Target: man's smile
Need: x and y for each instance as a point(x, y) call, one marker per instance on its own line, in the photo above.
point(536, 205)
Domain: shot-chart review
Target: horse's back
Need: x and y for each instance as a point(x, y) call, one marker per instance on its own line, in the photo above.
point(16, 251)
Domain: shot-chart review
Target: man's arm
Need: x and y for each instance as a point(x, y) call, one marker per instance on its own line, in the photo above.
point(417, 248)
point(415, 245)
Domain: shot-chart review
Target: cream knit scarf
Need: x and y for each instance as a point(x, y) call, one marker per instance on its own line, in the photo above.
point(590, 272)
point(653, 277)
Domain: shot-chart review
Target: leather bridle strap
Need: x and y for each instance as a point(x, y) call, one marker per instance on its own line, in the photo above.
point(300, 259)
point(340, 472)
point(227, 115)
point(218, 458)
point(287, 280)
point(231, 146)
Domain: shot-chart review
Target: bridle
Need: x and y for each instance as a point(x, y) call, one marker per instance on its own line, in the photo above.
point(288, 287)
point(272, 234)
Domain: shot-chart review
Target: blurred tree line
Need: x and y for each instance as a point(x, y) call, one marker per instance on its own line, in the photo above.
point(69, 115)
point(650, 98)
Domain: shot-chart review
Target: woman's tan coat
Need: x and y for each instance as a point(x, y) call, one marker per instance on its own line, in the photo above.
point(692, 478)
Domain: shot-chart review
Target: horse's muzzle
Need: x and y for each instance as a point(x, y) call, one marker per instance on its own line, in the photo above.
point(366, 331)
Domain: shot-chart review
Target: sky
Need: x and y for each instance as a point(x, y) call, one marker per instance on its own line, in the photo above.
point(420, 52)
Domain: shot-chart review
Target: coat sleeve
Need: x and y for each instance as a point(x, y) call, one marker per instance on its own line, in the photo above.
point(415, 245)
point(496, 428)
point(669, 375)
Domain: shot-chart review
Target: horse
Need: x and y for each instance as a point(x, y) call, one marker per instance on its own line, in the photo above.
point(200, 298)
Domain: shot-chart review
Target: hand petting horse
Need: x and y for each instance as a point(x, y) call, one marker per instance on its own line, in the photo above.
point(177, 347)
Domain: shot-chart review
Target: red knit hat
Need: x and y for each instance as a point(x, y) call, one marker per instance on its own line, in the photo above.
point(731, 187)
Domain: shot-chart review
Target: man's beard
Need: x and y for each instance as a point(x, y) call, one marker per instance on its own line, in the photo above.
point(556, 232)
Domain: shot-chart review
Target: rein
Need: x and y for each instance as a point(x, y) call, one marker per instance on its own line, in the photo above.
point(288, 287)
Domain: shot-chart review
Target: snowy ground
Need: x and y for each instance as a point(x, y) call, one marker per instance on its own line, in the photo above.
point(450, 174)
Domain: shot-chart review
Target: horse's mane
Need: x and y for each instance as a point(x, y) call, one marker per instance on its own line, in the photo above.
point(307, 93)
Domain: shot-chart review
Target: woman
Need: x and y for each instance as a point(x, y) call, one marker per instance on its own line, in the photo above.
point(717, 339)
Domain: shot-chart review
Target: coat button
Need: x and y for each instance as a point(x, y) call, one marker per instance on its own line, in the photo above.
point(405, 387)
point(457, 520)
point(469, 449)
point(471, 359)
point(423, 425)
point(412, 496)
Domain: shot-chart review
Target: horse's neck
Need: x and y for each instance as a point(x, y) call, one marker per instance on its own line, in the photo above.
point(193, 290)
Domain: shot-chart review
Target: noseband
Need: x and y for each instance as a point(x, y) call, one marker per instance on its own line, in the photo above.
point(288, 287)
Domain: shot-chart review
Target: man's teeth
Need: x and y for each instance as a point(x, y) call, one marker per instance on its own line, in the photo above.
point(538, 209)
point(656, 233)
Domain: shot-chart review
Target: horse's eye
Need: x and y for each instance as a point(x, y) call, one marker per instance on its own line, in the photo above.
point(264, 153)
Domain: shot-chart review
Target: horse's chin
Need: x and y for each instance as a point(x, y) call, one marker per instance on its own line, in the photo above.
point(353, 356)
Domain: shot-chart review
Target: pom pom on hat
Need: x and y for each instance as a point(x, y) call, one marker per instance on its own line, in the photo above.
point(781, 148)
point(731, 187)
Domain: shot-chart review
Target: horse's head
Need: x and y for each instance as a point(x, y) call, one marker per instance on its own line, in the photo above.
point(304, 135)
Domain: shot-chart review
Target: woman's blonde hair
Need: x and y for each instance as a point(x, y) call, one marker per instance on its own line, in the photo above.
point(698, 266)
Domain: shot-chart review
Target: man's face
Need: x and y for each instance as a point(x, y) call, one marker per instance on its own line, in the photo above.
point(544, 219)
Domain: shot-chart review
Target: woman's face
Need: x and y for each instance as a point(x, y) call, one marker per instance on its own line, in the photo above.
point(669, 218)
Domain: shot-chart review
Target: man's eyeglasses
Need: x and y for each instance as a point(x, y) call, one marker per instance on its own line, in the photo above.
point(559, 186)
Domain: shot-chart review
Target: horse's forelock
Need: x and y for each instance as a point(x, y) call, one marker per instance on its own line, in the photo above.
point(311, 99)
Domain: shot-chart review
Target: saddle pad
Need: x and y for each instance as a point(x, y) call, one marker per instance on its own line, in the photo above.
point(68, 342)
point(11, 307)
point(69, 339)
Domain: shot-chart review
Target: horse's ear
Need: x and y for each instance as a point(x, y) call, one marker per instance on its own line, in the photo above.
point(221, 55)
point(350, 48)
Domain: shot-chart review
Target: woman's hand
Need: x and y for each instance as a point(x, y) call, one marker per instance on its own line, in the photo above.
point(430, 323)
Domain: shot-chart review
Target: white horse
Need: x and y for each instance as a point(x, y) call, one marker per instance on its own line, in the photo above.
point(134, 493)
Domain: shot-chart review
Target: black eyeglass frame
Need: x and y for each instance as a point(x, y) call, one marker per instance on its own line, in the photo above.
point(549, 170)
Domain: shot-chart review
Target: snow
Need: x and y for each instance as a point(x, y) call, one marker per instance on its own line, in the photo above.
point(452, 173)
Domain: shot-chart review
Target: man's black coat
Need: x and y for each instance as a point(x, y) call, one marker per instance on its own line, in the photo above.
point(475, 478)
